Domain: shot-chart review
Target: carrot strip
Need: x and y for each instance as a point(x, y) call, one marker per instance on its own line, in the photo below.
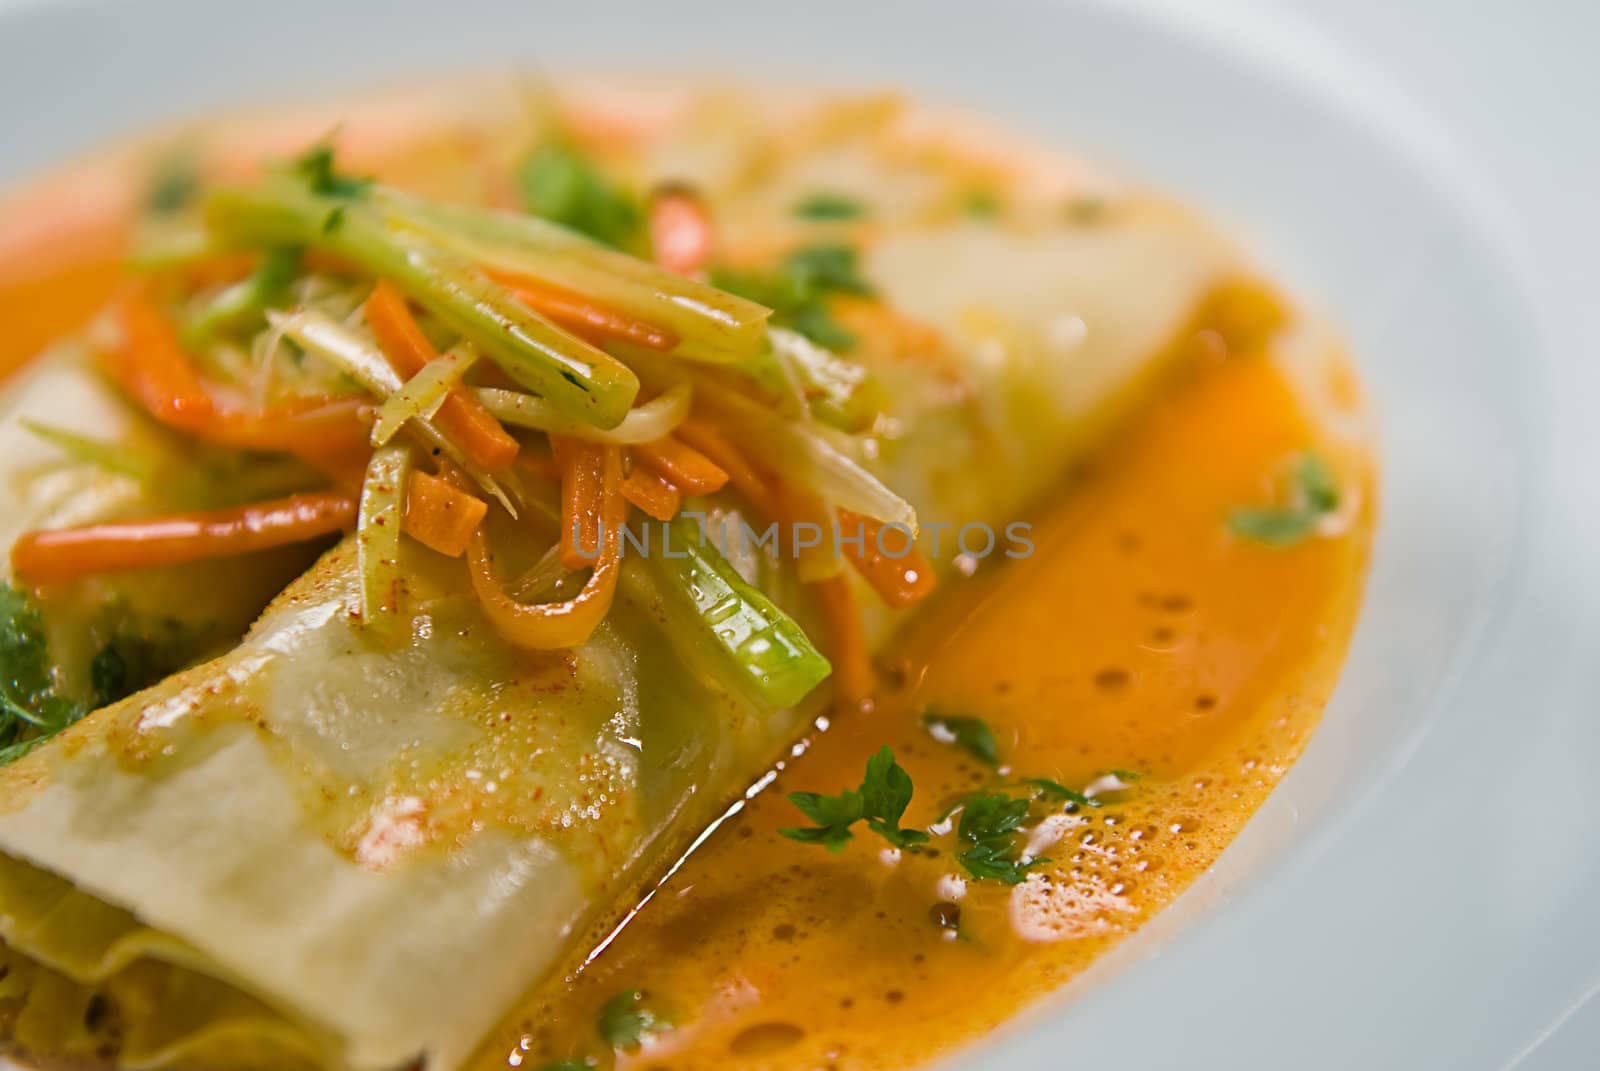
point(155, 371)
point(65, 553)
point(899, 581)
point(582, 465)
point(745, 478)
point(565, 624)
point(686, 468)
point(847, 644)
point(680, 230)
point(441, 517)
point(583, 317)
point(817, 558)
point(655, 496)
point(462, 417)
point(314, 425)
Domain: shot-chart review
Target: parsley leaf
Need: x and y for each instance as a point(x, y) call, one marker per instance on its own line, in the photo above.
point(30, 711)
point(626, 1022)
point(1055, 790)
point(881, 801)
point(1313, 494)
point(135, 658)
point(174, 185)
point(989, 824)
point(560, 183)
point(816, 270)
point(971, 735)
point(315, 165)
point(981, 204)
point(797, 291)
point(829, 206)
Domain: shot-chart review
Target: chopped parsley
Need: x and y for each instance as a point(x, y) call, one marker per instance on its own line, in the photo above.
point(829, 206)
point(30, 710)
point(561, 184)
point(1312, 495)
point(133, 659)
point(981, 204)
point(316, 166)
point(627, 1021)
point(798, 290)
point(1044, 788)
point(971, 735)
point(880, 801)
point(989, 824)
point(174, 185)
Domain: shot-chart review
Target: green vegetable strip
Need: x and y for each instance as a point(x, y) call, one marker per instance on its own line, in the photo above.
point(585, 383)
point(378, 535)
point(758, 649)
point(842, 394)
point(741, 638)
point(244, 304)
point(711, 325)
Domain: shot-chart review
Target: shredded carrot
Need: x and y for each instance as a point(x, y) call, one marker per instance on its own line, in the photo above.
point(655, 496)
point(65, 553)
point(680, 230)
point(441, 517)
point(899, 580)
point(565, 624)
point(310, 425)
point(462, 417)
point(744, 477)
point(852, 667)
point(582, 465)
point(688, 469)
point(801, 514)
point(581, 316)
point(152, 367)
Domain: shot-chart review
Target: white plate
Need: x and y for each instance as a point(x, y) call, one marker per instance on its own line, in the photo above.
point(1417, 894)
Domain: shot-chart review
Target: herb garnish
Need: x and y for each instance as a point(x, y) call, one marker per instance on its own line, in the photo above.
point(1045, 788)
point(829, 206)
point(30, 710)
point(626, 1021)
point(989, 823)
point(559, 183)
point(174, 185)
point(881, 800)
point(981, 204)
point(315, 165)
point(970, 734)
point(1312, 493)
point(799, 288)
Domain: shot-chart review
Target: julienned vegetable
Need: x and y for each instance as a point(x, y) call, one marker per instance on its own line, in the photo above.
point(443, 366)
point(770, 658)
point(586, 383)
point(711, 324)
